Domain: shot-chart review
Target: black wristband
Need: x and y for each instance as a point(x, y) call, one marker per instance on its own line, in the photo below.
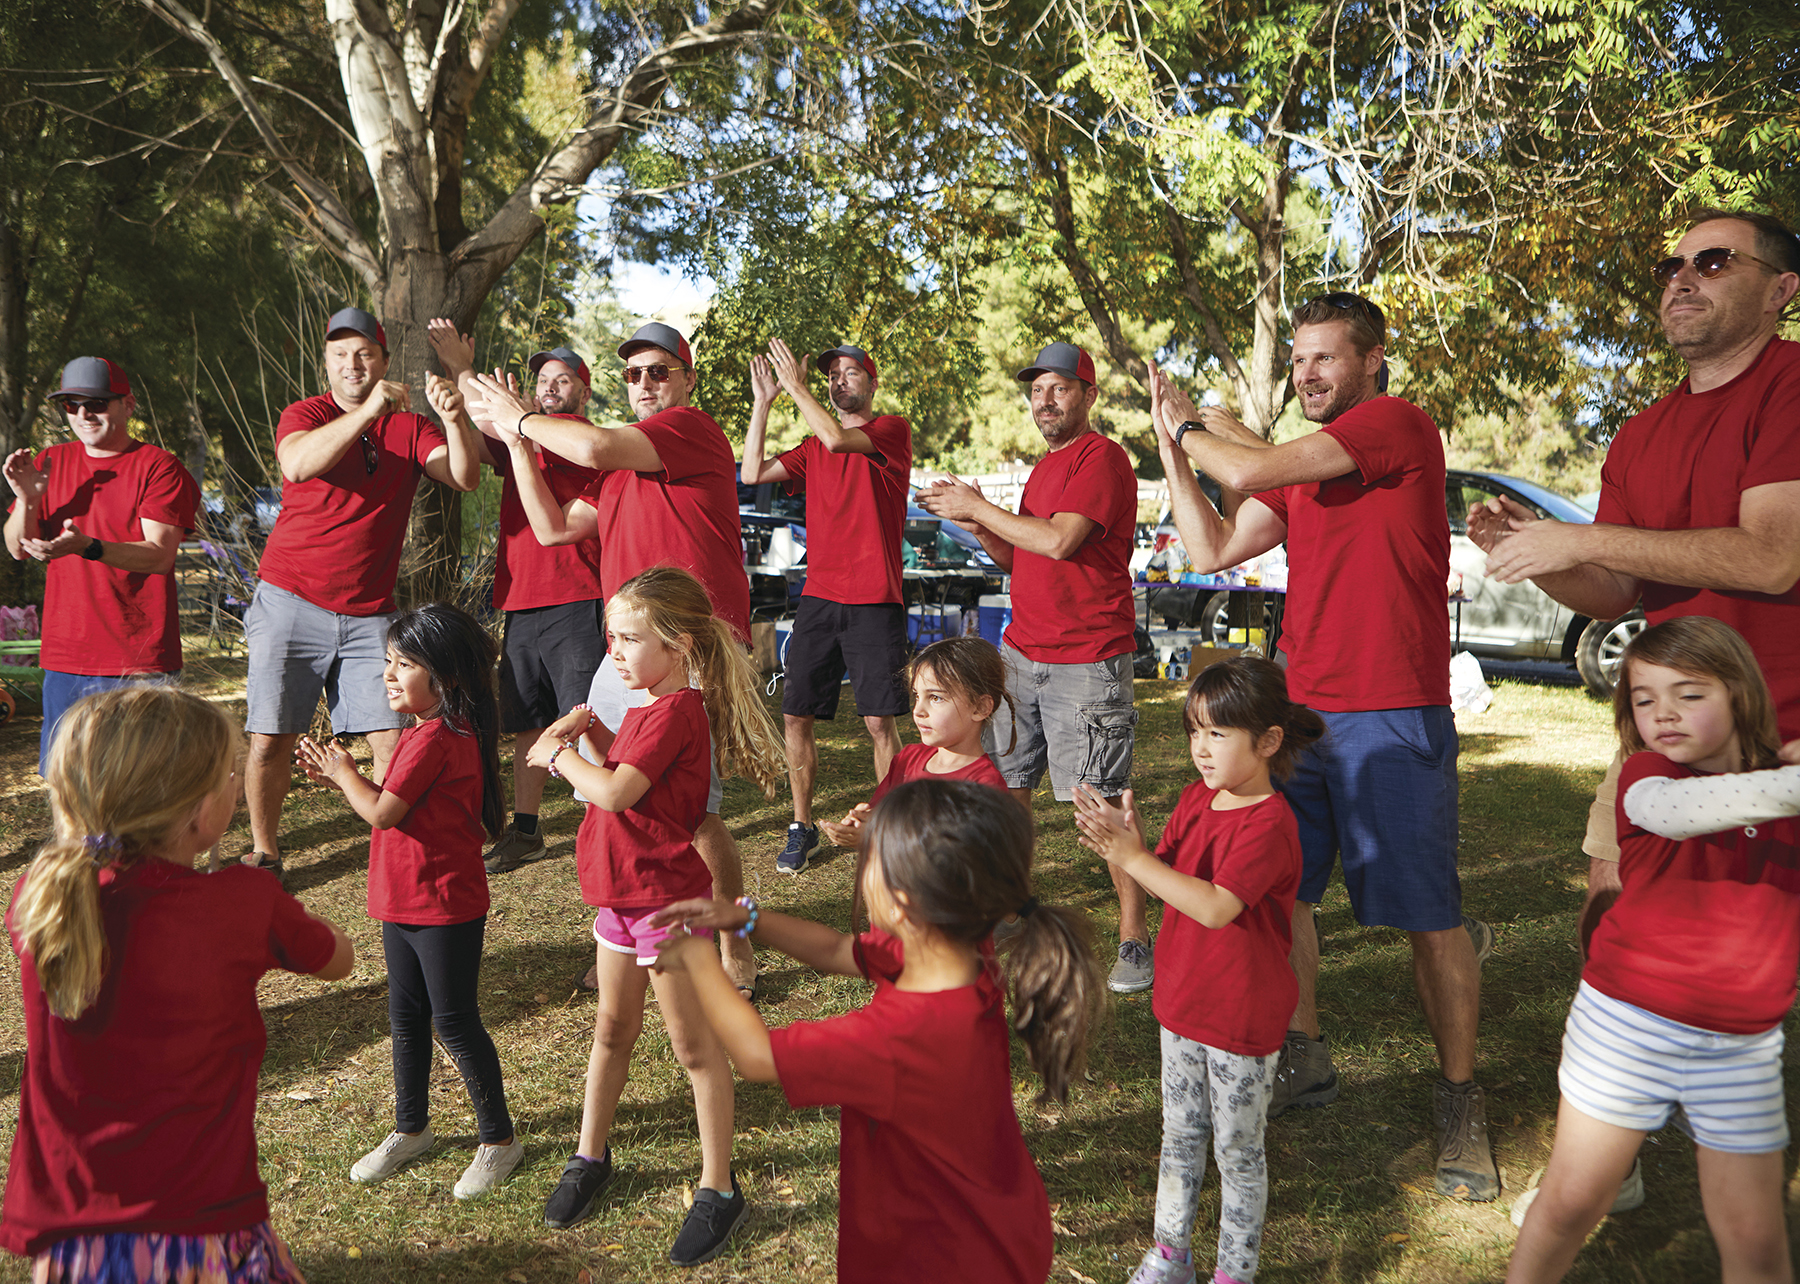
point(1191, 425)
point(94, 551)
point(519, 428)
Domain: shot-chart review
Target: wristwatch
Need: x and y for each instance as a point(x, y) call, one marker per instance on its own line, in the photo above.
point(1192, 425)
point(94, 551)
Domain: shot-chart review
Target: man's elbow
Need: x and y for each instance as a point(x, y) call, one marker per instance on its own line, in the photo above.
point(1779, 576)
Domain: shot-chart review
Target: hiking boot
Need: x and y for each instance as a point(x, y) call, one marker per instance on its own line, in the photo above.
point(1631, 1195)
point(391, 1155)
point(491, 1166)
point(1304, 1075)
point(709, 1224)
point(802, 841)
point(1157, 1269)
point(1465, 1164)
point(1481, 936)
point(576, 1190)
point(513, 850)
point(1135, 970)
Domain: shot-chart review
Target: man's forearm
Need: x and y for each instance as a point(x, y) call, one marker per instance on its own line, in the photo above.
point(754, 436)
point(1590, 590)
point(304, 456)
point(1728, 558)
point(21, 524)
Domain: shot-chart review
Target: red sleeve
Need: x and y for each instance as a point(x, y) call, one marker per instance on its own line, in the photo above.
point(880, 954)
point(1189, 808)
point(1262, 854)
point(1775, 452)
point(891, 435)
point(795, 461)
point(1094, 489)
point(427, 437)
point(169, 495)
point(844, 1061)
point(680, 437)
point(896, 776)
point(1380, 442)
point(1276, 501)
point(654, 739)
point(298, 941)
point(418, 761)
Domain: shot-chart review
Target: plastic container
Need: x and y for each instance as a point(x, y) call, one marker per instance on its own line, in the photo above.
point(928, 624)
point(993, 611)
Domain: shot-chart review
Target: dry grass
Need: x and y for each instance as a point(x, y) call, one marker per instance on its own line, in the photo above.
point(1351, 1185)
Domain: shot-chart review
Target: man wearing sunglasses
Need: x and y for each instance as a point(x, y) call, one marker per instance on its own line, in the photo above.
point(1360, 505)
point(106, 513)
point(350, 460)
point(853, 467)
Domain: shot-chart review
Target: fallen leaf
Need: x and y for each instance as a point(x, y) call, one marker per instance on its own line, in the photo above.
point(353, 1251)
point(1398, 1237)
point(1084, 1279)
point(687, 1195)
point(582, 1276)
point(540, 998)
point(300, 1094)
point(517, 1277)
point(1059, 1228)
point(613, 1248)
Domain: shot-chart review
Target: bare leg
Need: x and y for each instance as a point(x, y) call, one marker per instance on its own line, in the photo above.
point(1588, 1161)
point(726, 865)
point(618, 1020)
point(528, 781)
point(1133, 906)
point(268, 774)
point(703, 1056)
point(803, 763)
point(1303, 957)
point(1742, 1195)
point(381, 748)
point(1449, 981)
point(886, 737)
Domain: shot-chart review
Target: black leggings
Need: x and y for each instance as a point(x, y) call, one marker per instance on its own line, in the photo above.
point(432, 973)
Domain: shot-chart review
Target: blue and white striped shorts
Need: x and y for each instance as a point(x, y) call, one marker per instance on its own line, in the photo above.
point(1631, 1068)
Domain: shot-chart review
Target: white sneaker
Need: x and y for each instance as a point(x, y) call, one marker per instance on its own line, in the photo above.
point(1631, 1195)
point(391, 1155)
point(491, 1166)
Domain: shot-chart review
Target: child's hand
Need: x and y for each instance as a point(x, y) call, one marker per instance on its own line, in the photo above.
point(547, 744)
point(572, 724)
point(721, 916)
point(322, 762)
point(1790, 752)
point(847, 833)
point(1109, 832)
point(672, 952)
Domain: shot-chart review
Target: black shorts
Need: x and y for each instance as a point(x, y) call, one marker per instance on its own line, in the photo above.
point(830, 639)
point(547, 662)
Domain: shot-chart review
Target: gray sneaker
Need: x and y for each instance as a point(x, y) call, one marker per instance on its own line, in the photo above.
point(1135, 971)
point(1304, 1075)
point(1481, 936)
point(391, 1155)
point(1465, 1164)
point(1157, 1269)
point(491, 1166)
point(513, 849)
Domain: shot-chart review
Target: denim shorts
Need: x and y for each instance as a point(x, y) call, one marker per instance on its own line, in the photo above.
point(63, 689)
point(1077, 719)
point(298, 651)
point(1378, 795)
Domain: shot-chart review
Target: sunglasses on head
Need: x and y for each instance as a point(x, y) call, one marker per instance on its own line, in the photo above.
point(657, 373)
point(93, 405)
point(1707, 264)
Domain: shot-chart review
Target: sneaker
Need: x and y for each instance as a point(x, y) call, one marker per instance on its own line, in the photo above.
point(1481, 936)
point(1631, 1195)
point(1304, 1075)
point(391, 1155)
point(491, 1166)
point(1135, 970)
point(1465, 1165)
point(709, 1224)
point(513, 850)
point(262, 860)
point(1157, 1269)
point(576, 1190)
point(803, 840)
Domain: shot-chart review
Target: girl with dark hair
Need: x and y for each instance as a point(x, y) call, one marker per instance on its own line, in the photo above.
point(1227, 869)
point(427, 885)
point(934, 1177)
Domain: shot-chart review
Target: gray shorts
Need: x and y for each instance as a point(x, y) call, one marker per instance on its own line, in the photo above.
point(1076, 718)
point(546, 663)
point(298, 650)
point(609, 698)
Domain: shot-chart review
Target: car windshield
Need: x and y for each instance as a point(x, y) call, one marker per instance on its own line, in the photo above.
point(1561, 507)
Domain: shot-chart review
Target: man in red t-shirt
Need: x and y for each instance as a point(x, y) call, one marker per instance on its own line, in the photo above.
point(1071, 643)
point(350, 460)
point(1360, 504)
point(554, 604)
point(665, 491)
point(1700, 494)
point(106, 513)
point(854, 469)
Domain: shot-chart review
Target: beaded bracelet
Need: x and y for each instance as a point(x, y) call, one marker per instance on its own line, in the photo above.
point(743, 933)
point(554, 773)
point(592, 716)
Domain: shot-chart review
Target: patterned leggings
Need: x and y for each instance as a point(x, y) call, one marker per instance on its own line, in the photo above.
point(1224, 1097)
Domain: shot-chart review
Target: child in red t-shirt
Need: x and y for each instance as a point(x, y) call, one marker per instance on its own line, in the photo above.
point(647, 792)
point(1690, 973)
point(1227, 869)
point(427, 885)
point(957, 683)
point(934, 1178)
point(135, 1154)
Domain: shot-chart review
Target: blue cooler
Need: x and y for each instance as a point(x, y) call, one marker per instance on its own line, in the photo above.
point(994, 610)
point(928, 624)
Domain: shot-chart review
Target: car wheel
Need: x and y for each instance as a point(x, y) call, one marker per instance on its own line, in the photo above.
point(1602, 647)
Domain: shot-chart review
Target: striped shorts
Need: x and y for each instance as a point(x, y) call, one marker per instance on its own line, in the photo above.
point(1631, 1068)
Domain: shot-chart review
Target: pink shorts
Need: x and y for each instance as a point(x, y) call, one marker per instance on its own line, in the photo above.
point(633, 934)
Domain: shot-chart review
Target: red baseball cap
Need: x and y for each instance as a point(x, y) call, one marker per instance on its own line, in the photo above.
point(565, 355)
point(850, 350)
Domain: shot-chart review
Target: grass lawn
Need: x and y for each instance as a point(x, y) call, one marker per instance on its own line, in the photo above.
point(1351, 1185)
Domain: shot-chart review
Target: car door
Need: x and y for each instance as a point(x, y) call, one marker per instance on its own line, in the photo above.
point(1502, 619)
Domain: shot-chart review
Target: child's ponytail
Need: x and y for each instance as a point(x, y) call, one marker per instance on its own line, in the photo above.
point(126, 771)
point(1055, 990)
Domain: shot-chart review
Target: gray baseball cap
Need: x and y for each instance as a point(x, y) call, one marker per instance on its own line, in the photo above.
point(654, 334)
point(92, 377)
point(1062, 359)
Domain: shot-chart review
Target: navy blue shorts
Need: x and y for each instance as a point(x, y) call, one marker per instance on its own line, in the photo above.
point(1378, 795)
point(63, 689)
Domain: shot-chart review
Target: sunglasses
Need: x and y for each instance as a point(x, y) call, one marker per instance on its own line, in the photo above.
point(93, 405)
point(1707, 264)
point(658, 373)
point(371, 456)
point(1344, 301)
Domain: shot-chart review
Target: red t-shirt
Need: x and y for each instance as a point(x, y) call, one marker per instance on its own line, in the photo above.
point(909, 764)
point(855, 512)
point(644, 858)
point(685, 515)
point(528, 574)
point(99, 620)
point(1707, 931)
point(140, 1115)
point(337, 541)
point(934, 1180)
point(1368, 555)
point(1232, 988)
point(1684, 464)
point(1078, 609)
point(427, 870)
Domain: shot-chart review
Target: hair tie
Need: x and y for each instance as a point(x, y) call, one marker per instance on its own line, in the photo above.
point(101, 848)
point(1031, 903)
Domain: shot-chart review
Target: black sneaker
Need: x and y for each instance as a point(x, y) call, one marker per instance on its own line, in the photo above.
point(581, 1183)
point(802, 841)
point(709, 1224)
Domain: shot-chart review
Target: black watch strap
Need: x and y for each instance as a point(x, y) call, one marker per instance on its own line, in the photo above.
point(1192, 425)
point(94, 551)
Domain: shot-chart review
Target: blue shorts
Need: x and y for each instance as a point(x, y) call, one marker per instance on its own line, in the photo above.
point(63, 689)
point(1631, 1068)
point(1378, 795)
